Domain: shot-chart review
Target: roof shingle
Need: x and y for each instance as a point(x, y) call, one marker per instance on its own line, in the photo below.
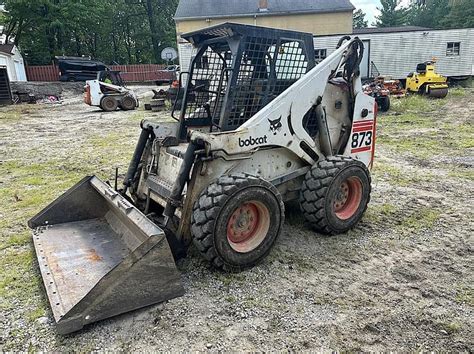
point(389, 29)
point(191, 9)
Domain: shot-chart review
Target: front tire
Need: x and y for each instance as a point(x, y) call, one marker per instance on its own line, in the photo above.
point(108, 104)
point(128, 103)
point(335, 194)
point(236, 221)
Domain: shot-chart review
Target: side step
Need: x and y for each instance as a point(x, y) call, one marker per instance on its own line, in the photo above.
point(99, 256)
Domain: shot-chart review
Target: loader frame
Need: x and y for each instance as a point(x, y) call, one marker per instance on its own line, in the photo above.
point(217, 131)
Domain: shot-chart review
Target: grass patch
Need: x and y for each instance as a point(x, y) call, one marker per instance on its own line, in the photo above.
point(35, 314)
point(450, 327)
point(18, 282)
point(417, 104)
point(457, 92)
point(138, 116)
point(13, 113)
point(422, 129)
point(397, 176)
point(422, 218)
point(465, 295)
point(464, 173)
point(446, 139)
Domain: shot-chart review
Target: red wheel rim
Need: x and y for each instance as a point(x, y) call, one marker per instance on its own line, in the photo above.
point(348, 198)
point(247, 226)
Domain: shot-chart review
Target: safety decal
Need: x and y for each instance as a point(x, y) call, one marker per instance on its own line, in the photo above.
point(362, 136)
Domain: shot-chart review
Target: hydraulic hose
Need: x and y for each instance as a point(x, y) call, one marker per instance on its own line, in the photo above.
point(137, 155)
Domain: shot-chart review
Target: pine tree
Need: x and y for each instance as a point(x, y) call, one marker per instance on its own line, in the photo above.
point(359, 20)
point(461, 15)
point(391, 14)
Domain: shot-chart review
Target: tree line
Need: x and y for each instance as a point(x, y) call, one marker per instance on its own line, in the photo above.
point(114, 31)
point(135, 31)
point(439, 14)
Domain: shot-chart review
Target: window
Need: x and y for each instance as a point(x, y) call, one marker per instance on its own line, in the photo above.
point(320, 55)
point(453, 49)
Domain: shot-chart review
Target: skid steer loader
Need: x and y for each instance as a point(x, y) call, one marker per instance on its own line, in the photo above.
point(260, 124)
point(108, 92)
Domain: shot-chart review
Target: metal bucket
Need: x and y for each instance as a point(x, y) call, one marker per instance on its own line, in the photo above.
point(99, 256)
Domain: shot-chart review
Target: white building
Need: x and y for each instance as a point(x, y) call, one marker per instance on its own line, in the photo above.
point(395, 51)
point(10, 57)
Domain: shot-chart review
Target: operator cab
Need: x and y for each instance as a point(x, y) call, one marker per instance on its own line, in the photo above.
point(237, 71)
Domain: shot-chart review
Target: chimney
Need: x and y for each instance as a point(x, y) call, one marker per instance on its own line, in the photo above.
point(262, 5)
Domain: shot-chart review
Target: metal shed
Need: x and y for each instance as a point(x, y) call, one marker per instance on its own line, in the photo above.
point(396, 51)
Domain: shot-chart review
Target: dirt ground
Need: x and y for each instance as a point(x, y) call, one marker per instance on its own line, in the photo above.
point(401, 280)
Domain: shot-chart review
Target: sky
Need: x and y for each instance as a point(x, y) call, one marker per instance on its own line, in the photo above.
point(370, 8)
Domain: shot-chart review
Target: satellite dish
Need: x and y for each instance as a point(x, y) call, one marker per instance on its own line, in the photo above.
point(169, 54)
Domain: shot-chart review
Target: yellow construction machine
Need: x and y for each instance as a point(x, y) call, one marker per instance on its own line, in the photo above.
point(426, 81)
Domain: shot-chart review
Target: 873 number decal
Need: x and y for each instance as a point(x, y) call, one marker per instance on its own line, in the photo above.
point(362, 139)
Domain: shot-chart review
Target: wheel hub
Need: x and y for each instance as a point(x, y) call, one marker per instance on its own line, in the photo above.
point(247, 226)
point(348, 198)
point(242, 223)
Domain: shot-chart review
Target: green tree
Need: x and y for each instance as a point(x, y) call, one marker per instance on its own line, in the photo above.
point(359, 20)
point(461, 15)
point(428, 13)
point(115, 31)
point(442, 13)
point(391, 14)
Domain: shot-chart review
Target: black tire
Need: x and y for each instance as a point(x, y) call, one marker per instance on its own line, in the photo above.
point(222, 213)
point(384, 103)
point(335, 194)
point(128, 103)
point(108, 104)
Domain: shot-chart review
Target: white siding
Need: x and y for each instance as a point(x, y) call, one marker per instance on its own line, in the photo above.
point(397, 54)
point(186, 51)
point(14, 64)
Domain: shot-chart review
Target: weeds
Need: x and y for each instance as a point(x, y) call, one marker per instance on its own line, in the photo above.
point(422, 218)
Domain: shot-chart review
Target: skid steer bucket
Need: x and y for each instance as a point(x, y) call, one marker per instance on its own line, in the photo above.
point(99, 256)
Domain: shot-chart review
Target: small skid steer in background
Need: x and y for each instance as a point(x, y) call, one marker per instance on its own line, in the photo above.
point(260, 124)
point(108, 92)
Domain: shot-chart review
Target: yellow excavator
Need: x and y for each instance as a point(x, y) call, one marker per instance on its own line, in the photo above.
point(426, 81)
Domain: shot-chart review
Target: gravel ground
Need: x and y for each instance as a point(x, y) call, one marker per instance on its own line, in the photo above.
point(401, 280)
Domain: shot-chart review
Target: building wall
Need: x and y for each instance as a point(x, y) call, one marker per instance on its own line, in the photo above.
point(397, 54)
point(318, 24)
point(14, 64)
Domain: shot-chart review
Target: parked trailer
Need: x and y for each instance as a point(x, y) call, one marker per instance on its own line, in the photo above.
point(396, 52)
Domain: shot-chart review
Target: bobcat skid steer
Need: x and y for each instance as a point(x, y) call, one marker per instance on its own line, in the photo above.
point(108, 92)
point(259, 125)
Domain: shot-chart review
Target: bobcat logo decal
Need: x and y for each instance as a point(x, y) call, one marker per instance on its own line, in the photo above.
point(275, 125)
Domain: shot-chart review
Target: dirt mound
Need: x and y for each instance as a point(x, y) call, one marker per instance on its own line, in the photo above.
point(41, 90)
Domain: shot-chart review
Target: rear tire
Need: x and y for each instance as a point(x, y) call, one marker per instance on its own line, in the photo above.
point(236, 221)
point(108, 104)
point(335, 194)
point(384, 103)
point(128, 103)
